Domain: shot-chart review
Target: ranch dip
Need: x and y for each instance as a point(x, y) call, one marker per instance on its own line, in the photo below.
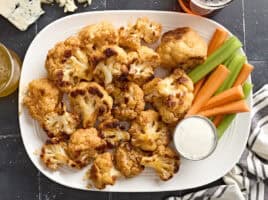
point(195, 138)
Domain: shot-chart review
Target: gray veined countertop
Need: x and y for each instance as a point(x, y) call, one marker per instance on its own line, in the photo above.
point(20, 180)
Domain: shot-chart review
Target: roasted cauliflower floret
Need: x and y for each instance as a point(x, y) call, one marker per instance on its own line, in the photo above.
point(128, 101)
point(149, 31)
point(102, 171)
point(85, 144)
point(67, 64)
point(113, 66)
point(182, 48)
point(61, 123)
point(90, 101)
point(113, 132)
point(142, 64)
point(41, 98)
point(99, 35)
point(129, 38)
point(164, 161)
point(55, 156)
point(127, 160)
point(171, 96)
point(148, 131)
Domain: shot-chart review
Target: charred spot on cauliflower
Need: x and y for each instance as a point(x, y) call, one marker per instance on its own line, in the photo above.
point(67, 64)
point(171, 96)
point(54, 155)
point(183, 48)
point(85, 144)
point(127, 160)
point(148, 131)
point(128, 101)
point(102, 171)
point(113, 66)
point(90, 101)
point(142, 64)
point(41, 98)
point(60, 123)
point(164, 161)
point(113, 132)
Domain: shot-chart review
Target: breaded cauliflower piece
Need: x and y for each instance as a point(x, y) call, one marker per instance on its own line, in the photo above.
point(182, 48)
point(90, 100)
point(149, 31)
point(85, 144)
point(127, 160)
point(164, 161)
point(54, 155)
point(142, 64)
point(67, 64)
point(148, 131)
point(99, 34)
point(102, 171)
point(61, 123)
point(113, 132)
point(128, 101)
point(113, 65)
point(171, 96)
point(41, 98)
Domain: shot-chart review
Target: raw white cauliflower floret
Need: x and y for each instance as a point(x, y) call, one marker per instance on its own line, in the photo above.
point(164, 161)
point(102, 171)
point(113, 65)
point(55, 155)
point(171, 96)
point(90, 101)
point(67, 64)
point(127, 160)
point(85, 144)
point(182, 48)
point(148, 131)
point(41, 98)
point(142, 64)
point(113, 132)
point(128, 100)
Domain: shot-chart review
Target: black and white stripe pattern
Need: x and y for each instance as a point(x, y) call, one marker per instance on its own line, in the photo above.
point(246, 181)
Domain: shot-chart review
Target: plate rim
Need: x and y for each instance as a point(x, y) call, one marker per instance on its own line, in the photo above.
point(59, 20)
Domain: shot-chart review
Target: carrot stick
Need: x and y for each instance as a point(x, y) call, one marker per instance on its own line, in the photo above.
point(231, 108)
point(230, 95)
point(244, 73)
point(211, 85)
point(198, 86)
point(217, 120)
point(217, 40)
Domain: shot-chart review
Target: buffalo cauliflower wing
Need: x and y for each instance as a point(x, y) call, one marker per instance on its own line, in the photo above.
point(112, 66)
point(67, 64)
point(102, 171)
point(113, 132)
point(85, 144)
point(128, 101)
point(148, 131)
point(61, 123)
point(182, 48)
point(171, 96)
point(164, 161)
point(90, 100)
point(142, 64)
point(127, 160)
point(41, 98)
point(54, 155)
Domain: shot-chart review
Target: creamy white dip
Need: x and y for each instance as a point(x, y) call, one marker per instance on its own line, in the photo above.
point(195, 138)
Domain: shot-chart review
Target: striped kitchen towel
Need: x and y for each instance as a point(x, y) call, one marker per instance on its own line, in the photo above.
point(248, 179)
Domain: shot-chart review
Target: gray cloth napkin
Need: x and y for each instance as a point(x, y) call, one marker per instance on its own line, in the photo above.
point(246, 181)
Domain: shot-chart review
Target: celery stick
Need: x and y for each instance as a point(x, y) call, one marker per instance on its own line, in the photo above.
point(216, 58)
point(235, 66)
point(228, 119)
